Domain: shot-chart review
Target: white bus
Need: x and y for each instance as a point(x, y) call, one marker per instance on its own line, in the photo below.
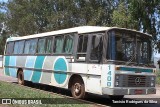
point(100, 60)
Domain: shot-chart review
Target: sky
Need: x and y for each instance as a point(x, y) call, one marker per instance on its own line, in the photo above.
point(3, 0)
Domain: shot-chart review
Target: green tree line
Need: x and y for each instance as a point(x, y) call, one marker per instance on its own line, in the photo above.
point(25, 17)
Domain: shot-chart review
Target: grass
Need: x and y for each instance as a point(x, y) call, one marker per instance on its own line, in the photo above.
point(8, 90)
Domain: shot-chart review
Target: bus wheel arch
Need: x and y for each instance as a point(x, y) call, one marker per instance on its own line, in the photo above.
point(20, 76)
point(77, 86)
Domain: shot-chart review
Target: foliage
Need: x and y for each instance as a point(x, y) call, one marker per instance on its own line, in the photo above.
point(158, 77)
point(123, 18)
point(146, 12)
point(25, 17)
point(3, 32)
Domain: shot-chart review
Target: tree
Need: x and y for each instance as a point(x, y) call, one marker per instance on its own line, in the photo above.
point(3, 29)
point(146, 13)
point(26, 17)
point(142, 15)
point(123, 18)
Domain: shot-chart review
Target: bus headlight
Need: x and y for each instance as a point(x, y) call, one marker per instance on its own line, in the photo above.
point(117, 80)
point(117, 83)
point(152, 83)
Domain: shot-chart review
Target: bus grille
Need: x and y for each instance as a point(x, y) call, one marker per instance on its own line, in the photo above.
point(135, 81)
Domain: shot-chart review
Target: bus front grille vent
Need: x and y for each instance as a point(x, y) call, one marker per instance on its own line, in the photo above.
point(135, 81)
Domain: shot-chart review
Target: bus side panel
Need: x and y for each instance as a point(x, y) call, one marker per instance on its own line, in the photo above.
point(108, 75)
point(10, 66)
point(60, 69)
point(80, 69)
point(38, 69)
point(94, 78)
point(21, 61)
point(29, 65)
point(6, 63)
point(51, 70)
point(48, 67)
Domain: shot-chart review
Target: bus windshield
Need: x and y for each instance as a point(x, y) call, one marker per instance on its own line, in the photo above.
point(130, 47)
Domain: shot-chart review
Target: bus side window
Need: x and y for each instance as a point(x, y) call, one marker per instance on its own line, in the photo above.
point(41, 46)
point(83, 40)
point(21, 47)
point(10, 47)
point(58, 44)
point(82, 48)
point(26, 48)
point(33, 45)
point(18, 47)
point(15, 48)
point(68, 44)
point(49, 45)
point(96, 47)
point(30, 46)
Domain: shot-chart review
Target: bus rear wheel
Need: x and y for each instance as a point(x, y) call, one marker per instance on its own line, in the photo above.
point(78, 89)
point(20, 78)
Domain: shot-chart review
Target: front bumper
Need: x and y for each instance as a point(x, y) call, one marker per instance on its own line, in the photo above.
point(128, 91)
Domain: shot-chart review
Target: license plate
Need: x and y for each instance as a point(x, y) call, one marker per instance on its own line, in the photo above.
point(138, 91)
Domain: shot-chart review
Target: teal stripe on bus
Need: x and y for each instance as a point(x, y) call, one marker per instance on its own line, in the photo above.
point(7, 58)
point(39, 62)
point(38, 65)
point(12, 62)
point(7, 71)
point(36, 75)
point(135, 69)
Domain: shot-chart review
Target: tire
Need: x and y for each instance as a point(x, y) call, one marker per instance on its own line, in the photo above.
point(116, 97)
point(78, 89)
point(20, 78)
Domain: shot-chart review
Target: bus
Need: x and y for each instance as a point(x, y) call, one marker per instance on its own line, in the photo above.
point(107, 61)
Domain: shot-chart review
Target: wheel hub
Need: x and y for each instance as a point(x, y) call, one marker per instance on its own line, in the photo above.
point(20, 79)
point(77, 88)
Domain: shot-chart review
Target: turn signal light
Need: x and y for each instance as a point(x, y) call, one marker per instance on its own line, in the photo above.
point(154, 71)
point(117, 68)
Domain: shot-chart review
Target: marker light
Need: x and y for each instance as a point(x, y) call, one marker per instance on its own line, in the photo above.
point(117, 83)
point(117, 68)
point(152, 84)
point(117, 77)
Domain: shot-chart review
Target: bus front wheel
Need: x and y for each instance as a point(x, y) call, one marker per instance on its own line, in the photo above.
point(20, 78)
point(78, 89)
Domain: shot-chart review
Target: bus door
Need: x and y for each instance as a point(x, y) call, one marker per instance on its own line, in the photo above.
point(94, 66)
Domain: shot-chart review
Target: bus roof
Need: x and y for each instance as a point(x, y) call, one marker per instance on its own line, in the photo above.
point(79, 30)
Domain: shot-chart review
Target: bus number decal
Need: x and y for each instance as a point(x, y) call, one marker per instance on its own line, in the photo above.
point(109, 76)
